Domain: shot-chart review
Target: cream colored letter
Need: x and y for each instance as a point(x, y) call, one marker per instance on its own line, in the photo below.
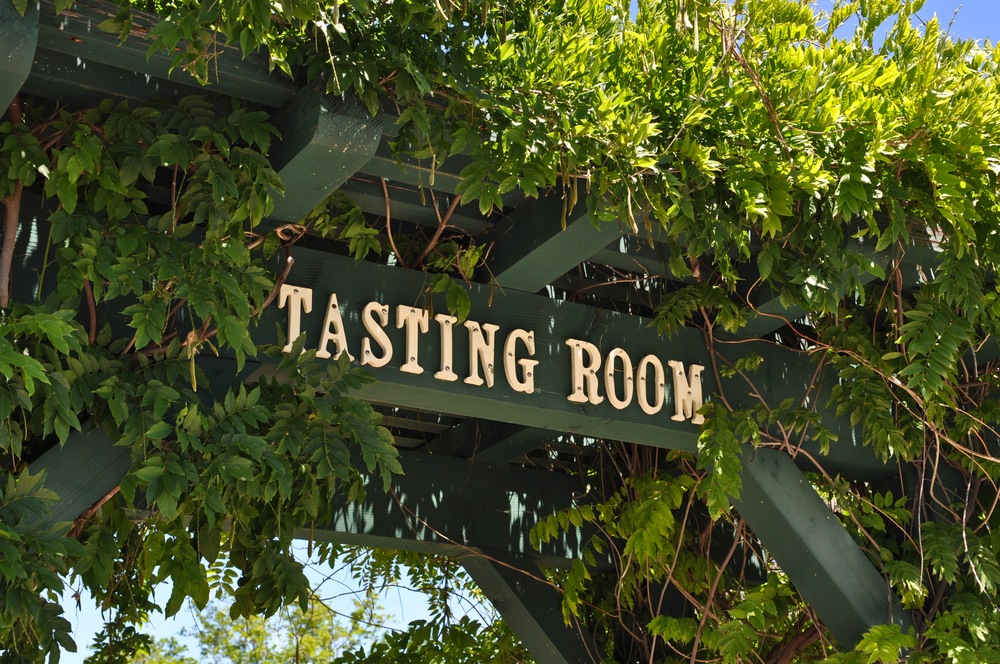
point(658, 386)
point(413, 319)
point(583, 372)
point(687, 392)
point(300, 298)
point(527, 385)
point(336, 335)
point(480, 348)
point(374, 328)
point(447, 324)
point(609, 378)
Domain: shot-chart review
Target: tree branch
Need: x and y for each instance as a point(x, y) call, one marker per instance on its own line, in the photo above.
point(388, 228)
point(442, 223)
point(81, 521)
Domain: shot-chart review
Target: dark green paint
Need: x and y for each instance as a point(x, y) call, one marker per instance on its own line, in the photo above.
point(447, 506)
point(531, 606)
point(485, 440)
point(84, 470)
point(75, 33)
point(812, 547)
point(325, 140)
point(530, 249)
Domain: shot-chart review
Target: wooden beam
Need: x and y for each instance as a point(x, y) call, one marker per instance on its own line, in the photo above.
point(784, 373)
point(531, 606)
point(75, 33)
point(82, 83)
point(82, 471)
point(451, 506)
point(812, 547)
point(407, 204)
point(485, 440)
point(439, 505)
point(325, 140)
point(19, 35)
point(633, 254)
point(530, 249)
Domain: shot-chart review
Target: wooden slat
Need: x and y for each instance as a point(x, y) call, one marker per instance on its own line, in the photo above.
point(325, 139)
point(530, 249)
point(75, 33)
point(531, 606)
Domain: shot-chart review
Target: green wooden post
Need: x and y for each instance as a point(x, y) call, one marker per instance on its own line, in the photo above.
point(532, 608)
point(813, 548)
point(19, 35)
point(326, 138)
point(531, 249)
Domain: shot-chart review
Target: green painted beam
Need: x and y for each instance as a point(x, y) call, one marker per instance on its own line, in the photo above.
point(485, 440)
point(325, 139)
point(19, 36)
point(442, 177)
point(82, 471)
point(530, 249)
point(82, 83)
point(784, 373)
point(531, 606)
point(75, 33)
point(439, 505)
point(812, 547)
point(406, 204)
point(450, 506)
point(633, 254)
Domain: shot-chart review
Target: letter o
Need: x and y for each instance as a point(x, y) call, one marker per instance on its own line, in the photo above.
point(609, 378)
point(658, 384)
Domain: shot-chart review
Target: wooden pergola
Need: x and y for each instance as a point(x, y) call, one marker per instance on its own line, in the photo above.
point(482, 462)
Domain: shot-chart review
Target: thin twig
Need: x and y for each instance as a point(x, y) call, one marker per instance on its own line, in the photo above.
point(81, 521)
point(442, 224)
point(388, 227)
point(711, 591)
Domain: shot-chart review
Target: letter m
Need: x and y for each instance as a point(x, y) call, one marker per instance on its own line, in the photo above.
point(687, 392)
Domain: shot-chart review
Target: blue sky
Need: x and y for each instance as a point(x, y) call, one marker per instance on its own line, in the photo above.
point(976, 19)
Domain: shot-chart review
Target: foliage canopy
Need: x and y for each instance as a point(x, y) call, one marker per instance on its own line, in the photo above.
point(855, 180)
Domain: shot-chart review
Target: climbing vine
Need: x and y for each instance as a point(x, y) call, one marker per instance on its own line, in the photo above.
point(777, 153)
